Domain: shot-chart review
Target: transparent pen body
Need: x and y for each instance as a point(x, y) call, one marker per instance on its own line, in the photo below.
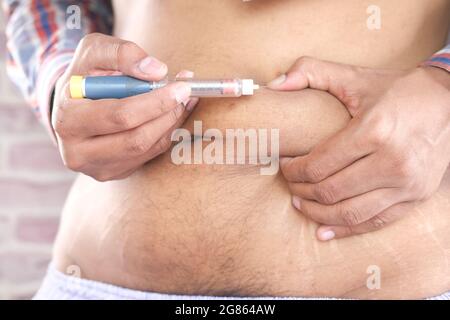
point(109, 87)
point(215, 88)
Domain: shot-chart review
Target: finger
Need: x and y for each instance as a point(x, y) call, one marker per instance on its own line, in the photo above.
point(87, 118)
point(390, 215)
point(329, 157)
point(98, 51)
point(342, 81)
point(359, 178)
point(129, 145)
point(350, 212)
point(165, 142)
point(117, 170)
point(192, 102)
point(124, 169)
point(185, 74)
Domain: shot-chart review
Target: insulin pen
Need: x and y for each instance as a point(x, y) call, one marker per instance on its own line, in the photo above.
point(117, 87)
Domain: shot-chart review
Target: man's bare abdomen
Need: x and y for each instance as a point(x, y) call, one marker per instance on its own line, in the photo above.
point(227, 230)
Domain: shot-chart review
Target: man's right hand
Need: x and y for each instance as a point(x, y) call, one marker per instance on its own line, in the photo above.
point(110, 139)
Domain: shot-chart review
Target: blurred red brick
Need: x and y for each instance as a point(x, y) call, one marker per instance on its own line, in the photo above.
point(4, 226)
point(2, 44)
point(36, 229)
point(22, 267)
point(35, 155)
point(18, 119)
point(25, 239)
point(17, 192)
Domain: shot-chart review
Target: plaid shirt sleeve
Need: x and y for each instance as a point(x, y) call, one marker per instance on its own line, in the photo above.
point(42, 41)
point(440, 59)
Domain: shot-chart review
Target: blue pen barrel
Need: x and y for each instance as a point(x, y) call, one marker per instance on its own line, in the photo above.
point(114, 87)
point(118, 87)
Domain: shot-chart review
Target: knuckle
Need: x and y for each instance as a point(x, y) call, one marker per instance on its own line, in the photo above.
point(351, 216)
point(74, 162)
point(123, 50)
point(312, 172)
point(89, 41)
point(163, 105)
point(159, 101)
point(379, 133)
point(176, 114)
point(138, 144)
point(374, 138)
point(163, 145)
point(123, 118)
point(377, 223)
point(406, 168)
point(126, 46)
point(326, 193)
point(102, 177)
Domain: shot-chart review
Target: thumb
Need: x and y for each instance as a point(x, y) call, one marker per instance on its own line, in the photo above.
point(340, 80)
point(98, 52)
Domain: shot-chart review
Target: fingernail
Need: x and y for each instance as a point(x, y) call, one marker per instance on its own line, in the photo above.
point(327, 235)
point(182, 93)
point(191, 105)
point(150, 65)
point(185, 74)
point(278, 81)
point(296, 202)
point(189, 74)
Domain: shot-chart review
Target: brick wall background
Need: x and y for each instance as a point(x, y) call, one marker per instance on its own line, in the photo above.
point(33, 186)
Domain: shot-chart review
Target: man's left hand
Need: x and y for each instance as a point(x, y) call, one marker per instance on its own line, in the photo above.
point(393, 153)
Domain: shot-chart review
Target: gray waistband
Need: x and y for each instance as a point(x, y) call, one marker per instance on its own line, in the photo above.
point(58, 286)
